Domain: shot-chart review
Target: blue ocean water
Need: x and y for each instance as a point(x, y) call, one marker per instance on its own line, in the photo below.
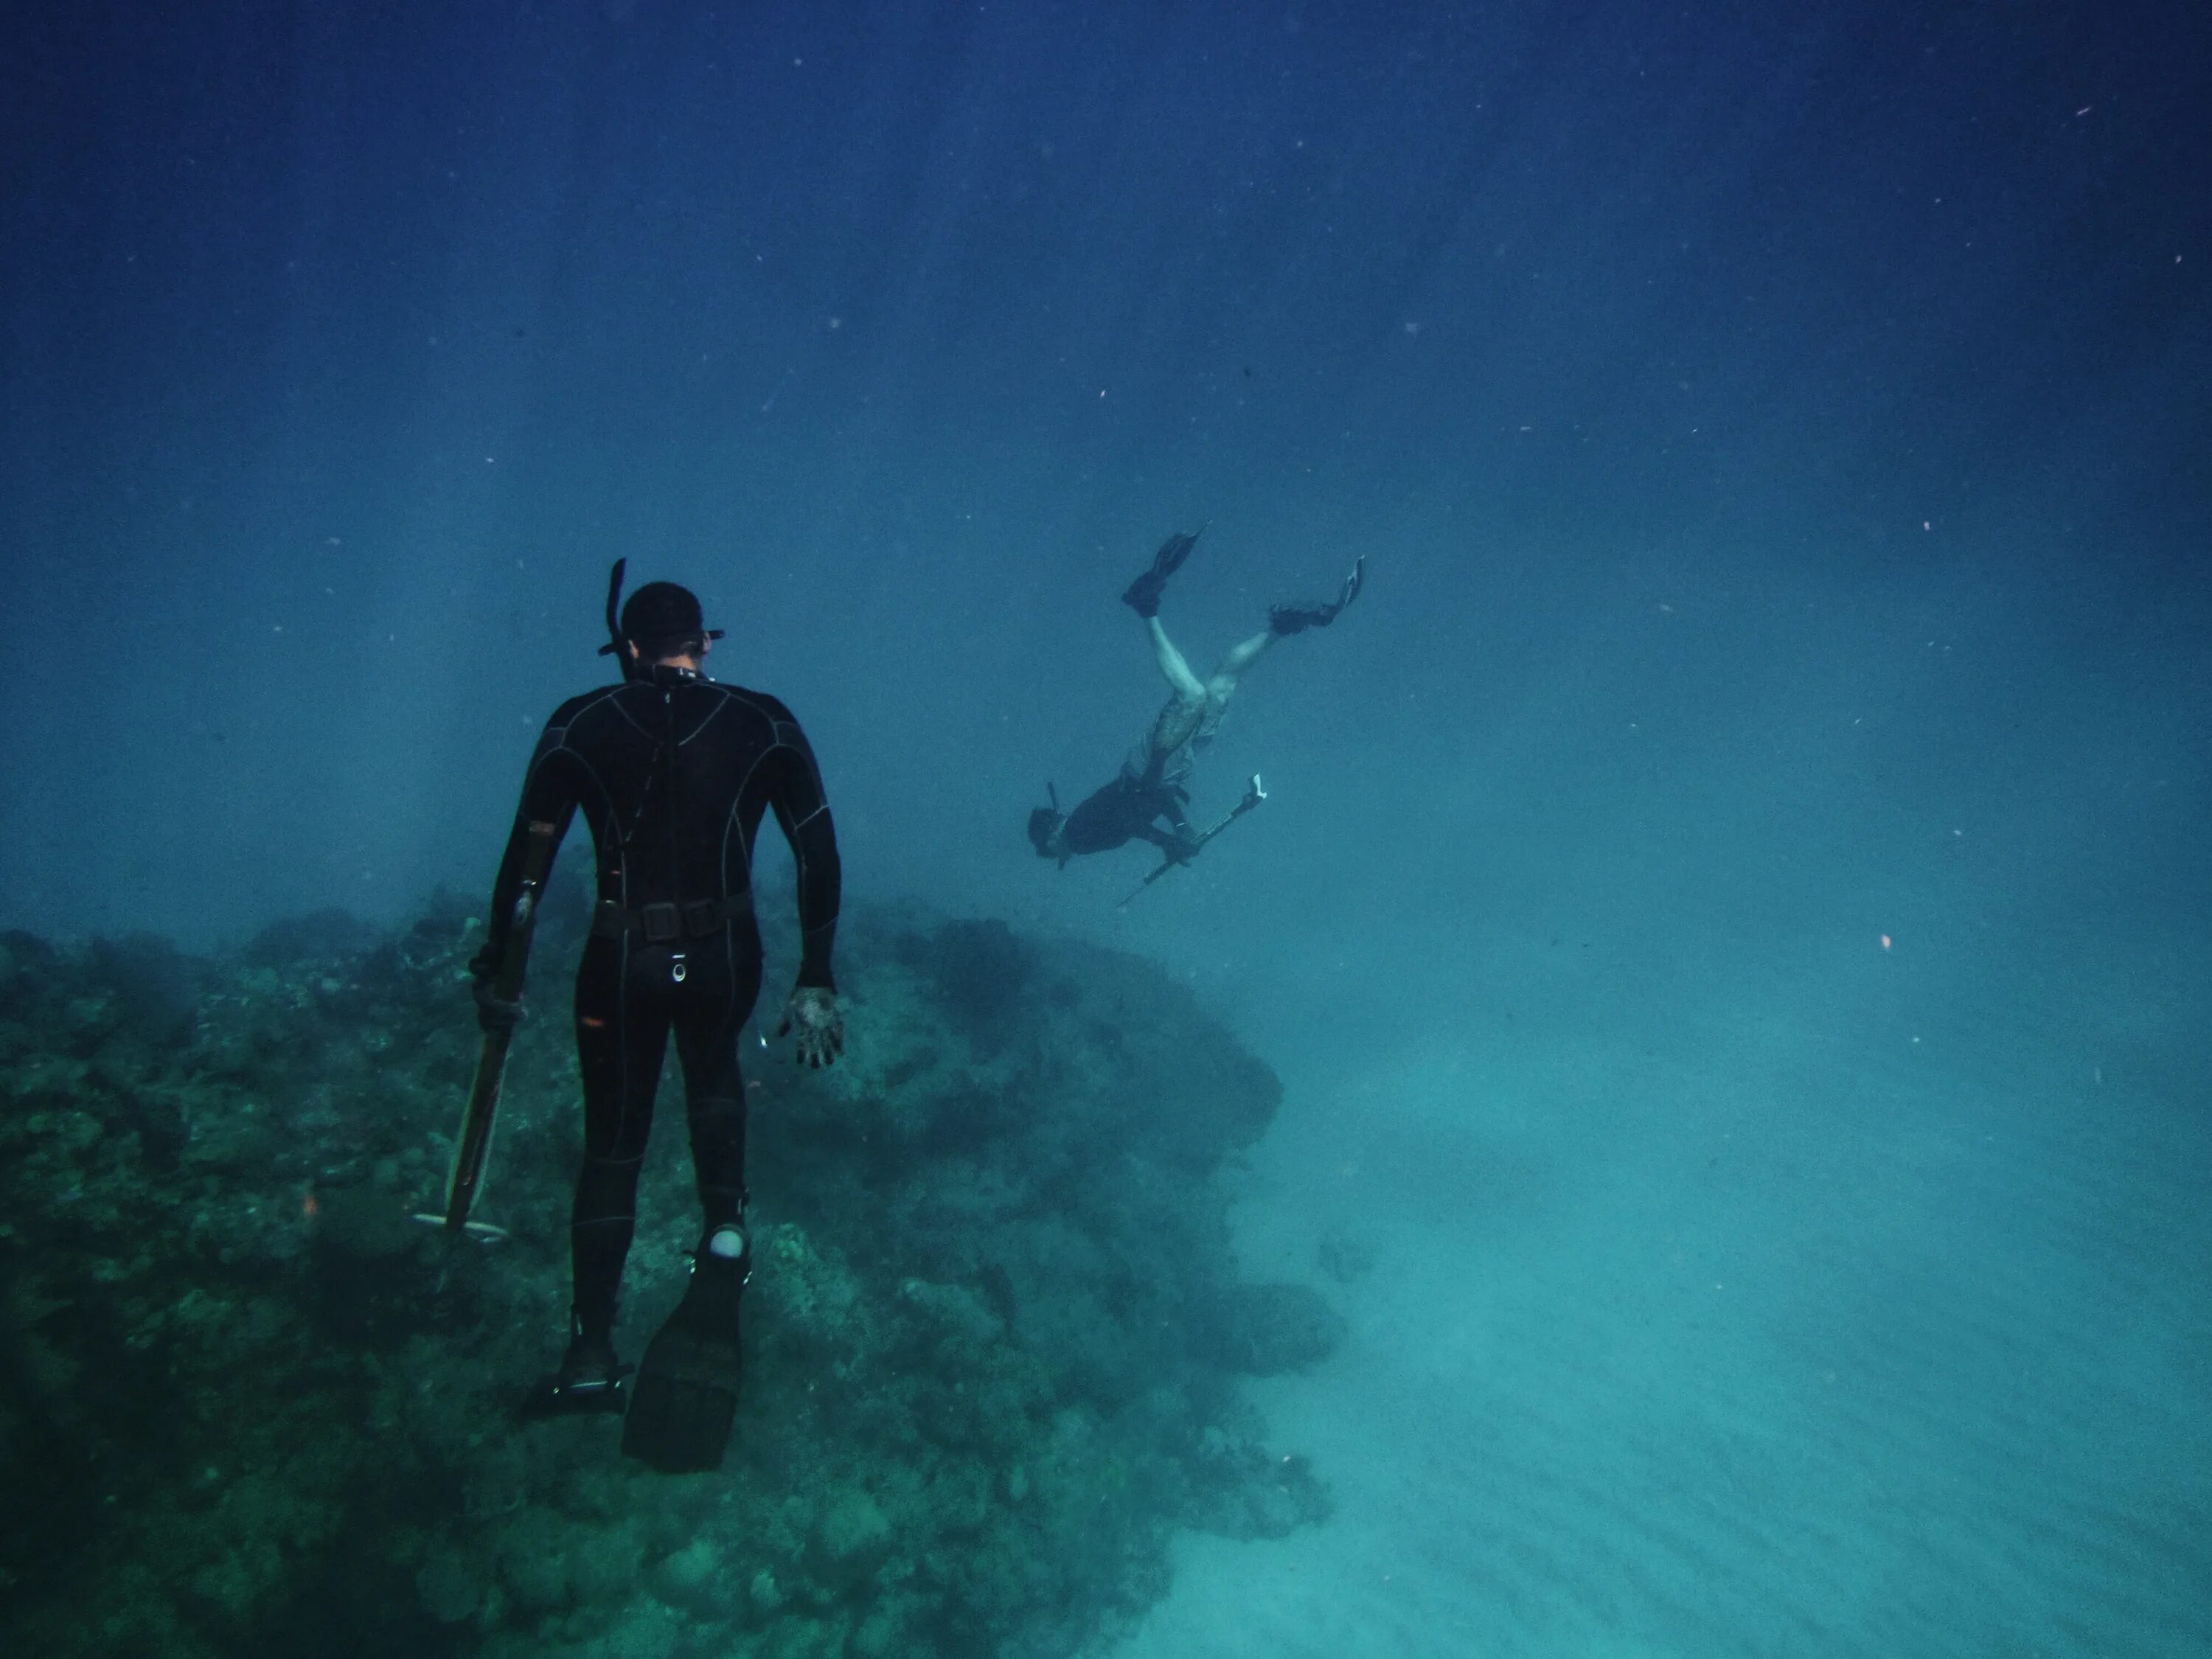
point(1729, 908)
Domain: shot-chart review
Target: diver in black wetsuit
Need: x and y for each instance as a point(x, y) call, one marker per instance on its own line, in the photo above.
point(1150, 789)
point(673, 772)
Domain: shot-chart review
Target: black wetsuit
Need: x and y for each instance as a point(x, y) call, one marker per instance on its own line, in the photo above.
point(1124, 811)
point(674, 775)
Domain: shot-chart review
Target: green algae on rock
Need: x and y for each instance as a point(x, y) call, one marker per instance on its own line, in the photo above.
point(992, 1337)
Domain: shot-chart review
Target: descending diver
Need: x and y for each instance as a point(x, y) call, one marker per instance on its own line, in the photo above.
point(674, 773)
point(1150, 789)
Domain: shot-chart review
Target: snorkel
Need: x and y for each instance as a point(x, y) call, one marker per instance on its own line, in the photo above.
point(614, 646)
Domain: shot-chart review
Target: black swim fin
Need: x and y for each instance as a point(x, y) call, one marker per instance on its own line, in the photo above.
point(685, 1396)
point(1312, 613)
point(591, 1381)
point(1143, 595)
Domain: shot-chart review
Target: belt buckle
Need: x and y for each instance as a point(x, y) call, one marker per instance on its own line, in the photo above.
point(660, 923)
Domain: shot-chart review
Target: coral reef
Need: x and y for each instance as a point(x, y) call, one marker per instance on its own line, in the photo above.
point(993, 1337)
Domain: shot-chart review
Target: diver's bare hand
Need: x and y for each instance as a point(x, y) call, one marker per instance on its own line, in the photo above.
point(815, 1023)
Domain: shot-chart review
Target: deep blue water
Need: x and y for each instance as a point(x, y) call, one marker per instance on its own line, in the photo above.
point(1777, 721)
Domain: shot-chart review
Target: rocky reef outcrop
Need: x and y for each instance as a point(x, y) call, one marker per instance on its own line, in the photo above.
point(995, 1336)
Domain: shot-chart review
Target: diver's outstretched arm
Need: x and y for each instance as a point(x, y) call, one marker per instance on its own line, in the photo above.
point(1180, 844)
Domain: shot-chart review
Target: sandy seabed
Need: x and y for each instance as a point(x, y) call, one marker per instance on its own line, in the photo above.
point(1803, 1325)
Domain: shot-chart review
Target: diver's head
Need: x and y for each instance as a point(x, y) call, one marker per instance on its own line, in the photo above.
point(662, 623)
point(1049, 832)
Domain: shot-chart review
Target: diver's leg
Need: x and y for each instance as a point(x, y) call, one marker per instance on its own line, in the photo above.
point(711, 1013)
point(684, 1400)
point(1230, 669)
point(622, 1033)
point(1173, 668)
